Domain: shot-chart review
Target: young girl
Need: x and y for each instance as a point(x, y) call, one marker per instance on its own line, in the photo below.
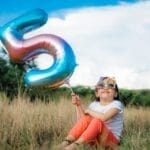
point(102, 123)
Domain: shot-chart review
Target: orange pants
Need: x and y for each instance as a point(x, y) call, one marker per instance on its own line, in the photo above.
point(93, 131)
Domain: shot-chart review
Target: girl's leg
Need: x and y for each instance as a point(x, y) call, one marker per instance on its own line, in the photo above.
point(92, 131)
point(79, 127)
point(88, 135)
point(76, 131)
point(97, 131)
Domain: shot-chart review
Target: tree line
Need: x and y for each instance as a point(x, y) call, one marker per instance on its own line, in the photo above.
point(11, 83)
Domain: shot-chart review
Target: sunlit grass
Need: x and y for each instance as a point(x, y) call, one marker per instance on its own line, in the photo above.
point(28, 126)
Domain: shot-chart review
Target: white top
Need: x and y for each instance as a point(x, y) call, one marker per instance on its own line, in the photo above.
point(116, 123)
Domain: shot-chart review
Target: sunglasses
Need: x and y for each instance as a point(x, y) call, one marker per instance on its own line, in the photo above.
point(102, 86)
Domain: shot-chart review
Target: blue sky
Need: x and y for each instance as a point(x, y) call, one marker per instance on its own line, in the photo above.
point(19, 5)
point(16, 7)
point(108, 37)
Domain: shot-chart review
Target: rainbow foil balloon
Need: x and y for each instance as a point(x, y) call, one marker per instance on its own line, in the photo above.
point(21, 50)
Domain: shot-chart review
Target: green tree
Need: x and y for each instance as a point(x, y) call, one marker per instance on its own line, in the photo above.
point(10, 77)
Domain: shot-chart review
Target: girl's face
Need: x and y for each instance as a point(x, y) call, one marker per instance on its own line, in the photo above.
point(106, 91)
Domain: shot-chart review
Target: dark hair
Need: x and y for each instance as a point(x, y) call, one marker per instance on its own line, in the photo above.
point(115, 98)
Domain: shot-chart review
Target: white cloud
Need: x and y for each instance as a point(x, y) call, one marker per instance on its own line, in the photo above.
point(111, 41)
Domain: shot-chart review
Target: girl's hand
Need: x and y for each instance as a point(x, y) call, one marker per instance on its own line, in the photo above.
point(75, 99)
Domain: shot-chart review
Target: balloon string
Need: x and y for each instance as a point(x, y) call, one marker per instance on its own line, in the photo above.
point(69, 86)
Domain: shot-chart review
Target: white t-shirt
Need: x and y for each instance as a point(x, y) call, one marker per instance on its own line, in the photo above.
point(116, 123)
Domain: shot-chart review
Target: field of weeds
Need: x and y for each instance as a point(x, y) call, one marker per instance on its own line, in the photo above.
point(25, 125)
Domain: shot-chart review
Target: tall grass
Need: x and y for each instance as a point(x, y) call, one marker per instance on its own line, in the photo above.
point(25, 125)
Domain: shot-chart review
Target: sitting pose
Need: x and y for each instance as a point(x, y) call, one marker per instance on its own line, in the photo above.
point(102, 123)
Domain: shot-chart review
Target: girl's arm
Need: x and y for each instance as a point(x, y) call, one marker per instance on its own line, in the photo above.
point(79, 109)
point(103, 116)
point(80, 112)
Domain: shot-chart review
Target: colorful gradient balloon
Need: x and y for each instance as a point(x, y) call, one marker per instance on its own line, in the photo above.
point(21, 50)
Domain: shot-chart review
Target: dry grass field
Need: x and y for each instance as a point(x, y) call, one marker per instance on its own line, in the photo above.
point(25, 125)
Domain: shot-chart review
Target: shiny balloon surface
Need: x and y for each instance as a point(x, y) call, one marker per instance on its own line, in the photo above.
point(21, 50)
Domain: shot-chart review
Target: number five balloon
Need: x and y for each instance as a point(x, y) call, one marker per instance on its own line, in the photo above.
point(21, 50)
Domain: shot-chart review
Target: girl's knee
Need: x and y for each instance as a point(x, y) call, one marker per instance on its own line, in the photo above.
point(97, 121)
point(86, 118)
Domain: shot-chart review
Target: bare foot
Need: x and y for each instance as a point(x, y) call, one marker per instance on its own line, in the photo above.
point(72, 146)
point(63, 145)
